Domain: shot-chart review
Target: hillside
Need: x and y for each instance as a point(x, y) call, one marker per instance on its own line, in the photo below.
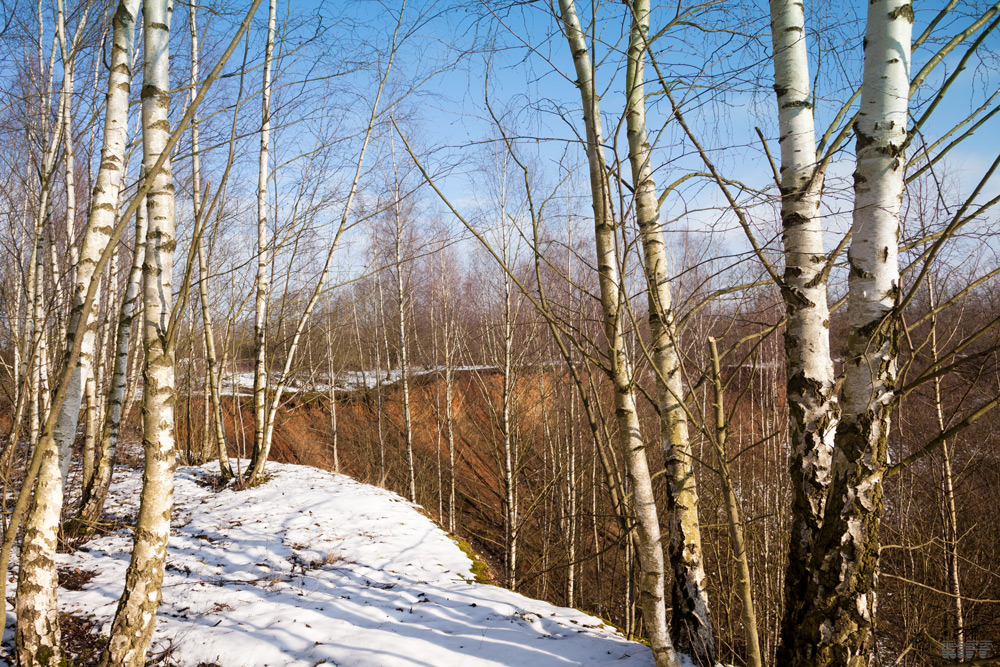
point(315, 568)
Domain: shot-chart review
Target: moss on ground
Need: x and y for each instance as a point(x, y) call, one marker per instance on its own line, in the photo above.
point(480, 571)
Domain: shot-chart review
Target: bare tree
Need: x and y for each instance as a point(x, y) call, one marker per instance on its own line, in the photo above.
point(838, 621)
point(261, 382)
point(647, 536)
point(809, 367)
point(692, 627)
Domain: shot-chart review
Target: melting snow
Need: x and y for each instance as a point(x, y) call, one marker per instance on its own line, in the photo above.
point(315, 568)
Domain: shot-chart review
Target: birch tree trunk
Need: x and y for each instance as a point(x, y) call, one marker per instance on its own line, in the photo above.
point(811, 394)
point(510, 462)
point(68, 53)
point(402, 303)
point(839, 614)
point(691, 624)
point(134, 619)
point(952, 536)
point(261, 442)
point(36, 638)
point(96, 492)
point(91, 407)
point(37, 635)
point(647, 536)
point(503, 359)
point(99, 227)
point(275, 401)
point(332, 382)
point(211, 358)
point(448, 324)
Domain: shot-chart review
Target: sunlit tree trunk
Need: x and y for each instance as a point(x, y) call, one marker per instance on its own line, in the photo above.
point(811, 391)
point(37, 635)
point(68, 54)
point(952, 555)
point(691, 625)
point(332, 381)
point(399, 222)
point(104, 208)
point(90, 432)
point(99, 226)
point(95, 493)
point(838, 622)
point(211, 358)
point(261, 443)
point(647, 535)
point(132, 627)
point(510, 462)
point(448, 342)
point(379, 324)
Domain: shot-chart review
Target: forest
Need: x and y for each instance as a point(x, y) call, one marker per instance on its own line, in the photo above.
point(684, 315)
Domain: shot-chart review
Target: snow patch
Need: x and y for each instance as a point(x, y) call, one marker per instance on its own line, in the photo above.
point(316, 568)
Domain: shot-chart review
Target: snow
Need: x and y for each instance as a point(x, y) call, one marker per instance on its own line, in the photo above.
point(345, 381)
point(315, 568)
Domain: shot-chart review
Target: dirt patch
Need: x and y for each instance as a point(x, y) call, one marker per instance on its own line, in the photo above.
point(74, 579)
point(82, 643)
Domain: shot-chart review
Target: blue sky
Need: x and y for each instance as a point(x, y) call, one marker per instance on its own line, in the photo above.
point(721, 67)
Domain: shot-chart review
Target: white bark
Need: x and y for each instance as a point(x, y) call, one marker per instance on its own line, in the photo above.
point(134, 619)
point(94, 494)
point(810, 378)
point(402, 303)
point(211, 358)
point(952, 556)
point(37, 636)
point(104, 205)
point(647, 536)
point(510, 462)
point(279, 389)
point(98, 228)
point(36, 639)
point(332, 381)
point(262, 441)
point(447, 333)
point(838, 625)
point(691, 626)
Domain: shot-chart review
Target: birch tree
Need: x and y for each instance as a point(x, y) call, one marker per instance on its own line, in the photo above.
point(692, 622)
point(838, 617)
point(401, 212)
point(647, 536)
point(37, 636)
point(100, 224)
point(132, 627)
point(211, 358)
point(810, 392)
point(95, 492)
point(261, 443)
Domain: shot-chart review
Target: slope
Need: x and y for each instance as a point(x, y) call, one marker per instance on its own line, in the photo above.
point(315, 568)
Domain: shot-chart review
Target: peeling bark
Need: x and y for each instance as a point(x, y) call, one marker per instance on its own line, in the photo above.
point(810, 382)
point(132, 627)
point(839, 614)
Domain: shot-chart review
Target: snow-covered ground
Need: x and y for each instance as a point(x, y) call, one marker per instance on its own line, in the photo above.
point(313, 568)
point(344, 380)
